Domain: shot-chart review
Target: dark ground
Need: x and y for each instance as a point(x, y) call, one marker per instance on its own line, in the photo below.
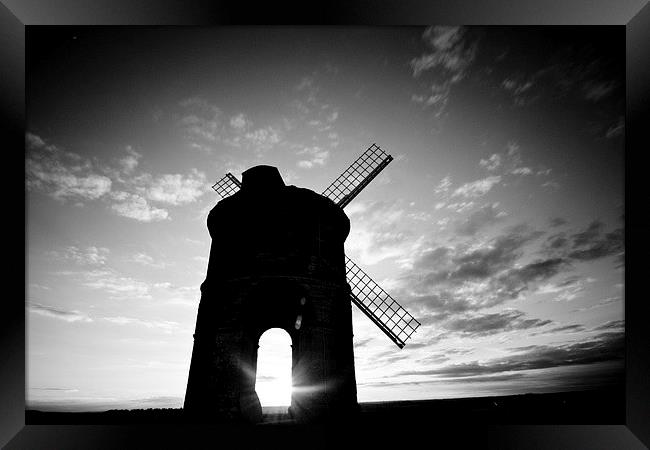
point(578, 407)
point(592, 420)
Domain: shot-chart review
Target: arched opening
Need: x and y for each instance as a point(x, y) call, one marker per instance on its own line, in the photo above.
point(273, 379)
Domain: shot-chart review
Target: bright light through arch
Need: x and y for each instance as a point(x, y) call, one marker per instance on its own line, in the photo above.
point(273, 380)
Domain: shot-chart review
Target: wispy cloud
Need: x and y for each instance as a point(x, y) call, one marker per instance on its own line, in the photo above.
point(66, 175)
point(617, 129)
point(146, 260)
point(477, 188)
point(597, 90)
point(171, 189)
point(599, 304)
point(60, 174)
point(510, 162)
point(520, 89)
point(491, 163)
point(240, 122)
point(58, 313)
point(315, 155)
point(449, 57)
point(449, 51)
point(485, 324)
point(93, 256)
point(479, 219)
point(131, 160)
point(206, 127)
point(114, 284)
point(164, 325)
point(136, 207)
point(444, 185)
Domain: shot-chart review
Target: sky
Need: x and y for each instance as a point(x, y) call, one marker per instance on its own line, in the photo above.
point(498, 225)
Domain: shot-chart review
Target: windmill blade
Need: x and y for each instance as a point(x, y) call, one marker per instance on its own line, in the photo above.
point(227, 185)
point(356, 177)
point(391, 318)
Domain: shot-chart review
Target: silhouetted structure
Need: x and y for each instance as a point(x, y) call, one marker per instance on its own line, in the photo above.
point(277, 261)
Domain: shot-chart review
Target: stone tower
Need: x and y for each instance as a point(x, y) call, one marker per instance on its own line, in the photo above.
point(276, 261)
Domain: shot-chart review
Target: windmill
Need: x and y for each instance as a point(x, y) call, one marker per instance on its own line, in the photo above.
point(391, 318)
point(323, 361)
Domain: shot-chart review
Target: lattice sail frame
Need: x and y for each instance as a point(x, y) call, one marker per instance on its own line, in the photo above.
point(396, 322)
point(357, 176)
point(227, 185)
point(391, 318)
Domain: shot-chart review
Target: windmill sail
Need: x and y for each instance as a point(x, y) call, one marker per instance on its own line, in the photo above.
point(379, 306)
point(227, 185)
point(357, 176)
point(370, 298)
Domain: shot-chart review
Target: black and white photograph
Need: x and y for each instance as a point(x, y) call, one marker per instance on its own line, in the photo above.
point(290, 226)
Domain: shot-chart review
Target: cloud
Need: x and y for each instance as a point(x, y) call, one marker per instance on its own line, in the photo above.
point(552, 185)
point(89, 256)
point(487, 324)
point(597, 90)
point(481, 218)
point(136, 207)
point(64, 175)
point(611, 325)
point(130, 162)
point(317, 157)
point(58, 313)
point(617, 129)
point(520, 88)
point(477, 188)
point(600, 304)
point(522, 171)
point(515, 86)
point(589, 234)
point(263, 138)
point(449, 52)
point(203, 123)
point(450, 56)
point(114, 284)
point(606, 347)
point(444, 281)
point(146, 260)
point(164, 325)
point(174, 189)
point(376, 232)
point(60, 174)
point(199, 104)
point(457, 207)
point(443, 186)
point(240, 122)
point(592, 243)
point(566, 290)
point(514, 281)
point(587, 245)
point(573, 328)
point(492, 163)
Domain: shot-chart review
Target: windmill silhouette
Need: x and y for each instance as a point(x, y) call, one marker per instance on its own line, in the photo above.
point(277, 260)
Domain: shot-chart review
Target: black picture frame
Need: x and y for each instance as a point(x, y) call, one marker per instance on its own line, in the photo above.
point(634, 15)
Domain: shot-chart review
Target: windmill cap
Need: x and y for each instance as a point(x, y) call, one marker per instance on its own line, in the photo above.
point(262, 178)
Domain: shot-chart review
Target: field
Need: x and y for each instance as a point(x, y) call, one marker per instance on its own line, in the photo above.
point(577, 407)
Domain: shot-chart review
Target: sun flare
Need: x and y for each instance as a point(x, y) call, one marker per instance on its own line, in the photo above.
point(273, 380)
